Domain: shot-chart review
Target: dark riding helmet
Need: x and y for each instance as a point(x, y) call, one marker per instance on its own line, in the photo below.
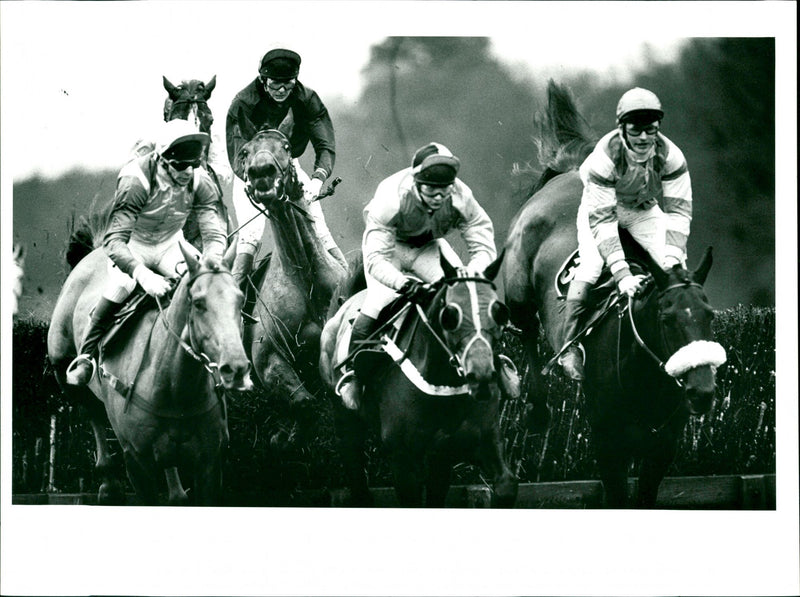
point(279, 64)
point(639, 106)
point(179, 140)
point(435, 165)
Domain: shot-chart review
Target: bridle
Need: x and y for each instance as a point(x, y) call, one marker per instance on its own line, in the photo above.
point(191, 347)
point(454, 359)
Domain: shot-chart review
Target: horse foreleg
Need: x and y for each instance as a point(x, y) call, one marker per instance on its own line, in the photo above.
point(437, 485)
point(351, 435)
point(112, 489)
point(612, 464)
point(208, 481)
point(505, 484)
point(176, 494)
point(537, 411)
point(142, 476)
point(407, 473)
point(654, 468)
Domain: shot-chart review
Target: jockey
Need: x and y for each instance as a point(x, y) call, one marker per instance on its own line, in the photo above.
point(408, 213)
point(155, 194)
point(638, 179)
point(264, 103)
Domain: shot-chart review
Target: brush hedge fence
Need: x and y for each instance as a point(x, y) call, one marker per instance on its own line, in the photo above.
point(53, 448)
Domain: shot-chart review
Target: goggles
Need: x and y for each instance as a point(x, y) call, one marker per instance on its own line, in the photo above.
point(274, 85)
point(634, 131)
point(429, 190)
point(181, 165)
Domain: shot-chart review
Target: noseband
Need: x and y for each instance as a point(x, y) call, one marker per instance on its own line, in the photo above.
point(454, 359)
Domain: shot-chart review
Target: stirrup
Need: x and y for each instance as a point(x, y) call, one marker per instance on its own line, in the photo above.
point(70, 376)
point(347, 401)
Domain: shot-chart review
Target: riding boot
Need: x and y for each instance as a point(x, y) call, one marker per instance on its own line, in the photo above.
point(338, 255)
point(572, 359)
point(349, 387)
point(242, 266)
point(82, 368)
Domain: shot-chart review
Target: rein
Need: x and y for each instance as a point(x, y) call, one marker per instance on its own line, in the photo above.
point(199, 356)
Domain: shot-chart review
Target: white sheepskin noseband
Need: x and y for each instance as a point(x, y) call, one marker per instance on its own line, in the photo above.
point(695, 354)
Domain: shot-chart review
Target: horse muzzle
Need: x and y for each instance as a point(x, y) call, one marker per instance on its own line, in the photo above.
point(236, 376)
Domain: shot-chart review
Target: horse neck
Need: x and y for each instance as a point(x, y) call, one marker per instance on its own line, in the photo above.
point(296, 241)
point(172, 362)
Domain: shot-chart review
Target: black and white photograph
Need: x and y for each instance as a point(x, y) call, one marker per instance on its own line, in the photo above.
point(399, 298)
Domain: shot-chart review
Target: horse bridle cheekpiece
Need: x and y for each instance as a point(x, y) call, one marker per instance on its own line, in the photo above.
point(694, 354)
point(451, 316)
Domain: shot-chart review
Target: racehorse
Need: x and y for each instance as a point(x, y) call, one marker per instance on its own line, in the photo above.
point(650, 362)
point(433, 394)
point(301, 275)
point(161, 382)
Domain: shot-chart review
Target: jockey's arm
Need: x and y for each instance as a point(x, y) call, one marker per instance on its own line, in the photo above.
point(600, 201)
point(378, 248)
point(322, 138)
point(212, 228)
point(477, 231)
point(129, 200)
point(677, 204)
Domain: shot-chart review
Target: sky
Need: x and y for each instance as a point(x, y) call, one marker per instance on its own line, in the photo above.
point(87, 76)
point(80, 82)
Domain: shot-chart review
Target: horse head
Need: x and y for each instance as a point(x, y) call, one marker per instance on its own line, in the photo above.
point(189, 101)
point(471, 318)
point(684, 321)
point(214, 319)
point(265, 163)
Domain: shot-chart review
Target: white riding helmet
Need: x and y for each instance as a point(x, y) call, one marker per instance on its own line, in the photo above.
point(184, 138)
point(638, 100)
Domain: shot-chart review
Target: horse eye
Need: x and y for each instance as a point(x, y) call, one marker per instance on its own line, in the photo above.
point(450, 317)
point(499, 313)
point(199, 304)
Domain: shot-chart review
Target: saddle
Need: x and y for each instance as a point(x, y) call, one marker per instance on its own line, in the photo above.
point(133, 310)
point(397, 327)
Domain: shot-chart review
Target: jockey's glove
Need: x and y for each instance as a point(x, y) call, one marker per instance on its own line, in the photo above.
point(153, 284)
point(630, 285)
point(415, 291)
point(312, 188)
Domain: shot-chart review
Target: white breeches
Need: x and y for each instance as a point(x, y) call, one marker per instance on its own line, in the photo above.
point(256, 231)
point(421, 261)
point(648, 227)
point(163, 258)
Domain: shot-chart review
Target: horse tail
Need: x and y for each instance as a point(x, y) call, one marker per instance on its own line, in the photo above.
point(86, 233)
point(562, 135)
point(353, 282)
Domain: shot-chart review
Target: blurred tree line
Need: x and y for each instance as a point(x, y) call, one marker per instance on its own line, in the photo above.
point(719, 98)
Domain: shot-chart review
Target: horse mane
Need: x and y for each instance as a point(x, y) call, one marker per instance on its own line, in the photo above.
point(562, 136)
point(86, 233)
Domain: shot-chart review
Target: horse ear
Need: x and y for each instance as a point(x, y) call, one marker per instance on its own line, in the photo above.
point(449, 270)
point(493, 268)
point(210, 87)
point(230, 255)
point(701, 272)
point(192, 263)
point(171, 89)
point(287, 125)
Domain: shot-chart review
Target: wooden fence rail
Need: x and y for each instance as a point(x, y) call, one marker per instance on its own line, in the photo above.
point(729, 492)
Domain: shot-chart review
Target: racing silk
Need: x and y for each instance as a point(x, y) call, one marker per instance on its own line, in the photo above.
point(396, 214)
point(612, 175)
point(253, 109)
point(150, 208)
